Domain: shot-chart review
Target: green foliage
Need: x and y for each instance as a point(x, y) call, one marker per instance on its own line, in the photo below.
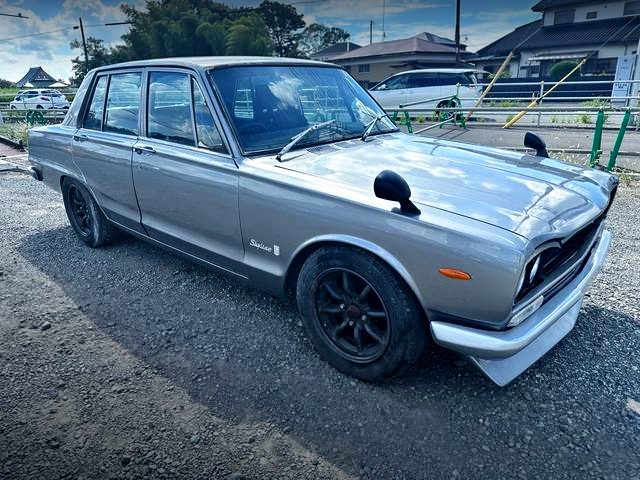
point(248, 36)
point(6, 84)
point(554, 119)
point(561, 69)
point(316, 36)
point(282, 21)
point(17, 132)
point(98, 55)
point(584, 118)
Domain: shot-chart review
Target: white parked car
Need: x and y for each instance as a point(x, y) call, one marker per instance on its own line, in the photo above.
point(38, 99)
point(419, 85)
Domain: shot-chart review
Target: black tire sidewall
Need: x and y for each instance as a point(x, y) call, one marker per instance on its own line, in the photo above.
point(407, 324)
point(100, 230)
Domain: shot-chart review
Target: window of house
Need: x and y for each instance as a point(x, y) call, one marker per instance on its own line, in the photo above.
point(364, 68)
point(564, 16)
point(631, 8)
point(592, 15)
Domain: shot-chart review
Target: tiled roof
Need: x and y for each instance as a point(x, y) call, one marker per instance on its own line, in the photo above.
point(337, 48)
point(36, 74)
point(532, 37)
point(417, 44)
point(549, 4)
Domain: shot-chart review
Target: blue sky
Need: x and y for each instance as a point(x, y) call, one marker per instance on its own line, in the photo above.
point(481, 23)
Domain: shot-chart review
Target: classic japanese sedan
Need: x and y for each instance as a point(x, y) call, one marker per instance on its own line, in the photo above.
point(286, 174)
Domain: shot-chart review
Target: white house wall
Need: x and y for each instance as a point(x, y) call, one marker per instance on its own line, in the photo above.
point(605, 10)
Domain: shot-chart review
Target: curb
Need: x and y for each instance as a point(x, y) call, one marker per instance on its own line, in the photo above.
point(12, 143)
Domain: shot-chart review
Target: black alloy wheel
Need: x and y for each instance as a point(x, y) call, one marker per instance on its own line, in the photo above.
point(359, 313)
point(351, 315)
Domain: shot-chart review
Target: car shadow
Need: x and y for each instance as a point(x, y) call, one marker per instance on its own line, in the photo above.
point(244, 356)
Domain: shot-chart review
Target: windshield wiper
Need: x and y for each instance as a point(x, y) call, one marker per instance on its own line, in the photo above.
point(372, 123)
point(300, 136)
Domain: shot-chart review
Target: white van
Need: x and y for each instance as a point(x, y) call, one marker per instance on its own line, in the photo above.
point(417, 85)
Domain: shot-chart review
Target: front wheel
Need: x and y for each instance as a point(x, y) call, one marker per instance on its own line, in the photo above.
point(85, 216)
point(359, 314)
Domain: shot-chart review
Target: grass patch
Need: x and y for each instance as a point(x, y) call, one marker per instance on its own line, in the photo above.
point(17, 132)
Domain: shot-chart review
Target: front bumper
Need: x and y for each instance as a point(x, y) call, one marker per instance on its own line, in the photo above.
point(502, 356)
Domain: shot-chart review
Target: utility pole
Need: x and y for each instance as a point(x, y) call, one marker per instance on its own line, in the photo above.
point(457, 33)
point(370, 32)
point(84, 44)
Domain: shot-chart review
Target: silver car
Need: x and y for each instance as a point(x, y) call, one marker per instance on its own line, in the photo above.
point(286, 174)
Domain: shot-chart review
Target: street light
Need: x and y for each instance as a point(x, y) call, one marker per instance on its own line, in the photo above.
point(19, 15)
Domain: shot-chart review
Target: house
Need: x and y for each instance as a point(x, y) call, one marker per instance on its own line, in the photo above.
point(568, 30)
point(373, 63)
point(37, 77)
point(326, 54)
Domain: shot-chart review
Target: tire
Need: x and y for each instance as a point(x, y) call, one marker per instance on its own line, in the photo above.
point(447, 114)
point(359, 314)
point(86, 218)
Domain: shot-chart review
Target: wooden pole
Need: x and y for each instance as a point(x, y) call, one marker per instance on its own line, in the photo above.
point(534, 103)
point(490, 86)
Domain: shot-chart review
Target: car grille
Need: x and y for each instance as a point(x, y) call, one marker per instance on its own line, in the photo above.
point(561, 261)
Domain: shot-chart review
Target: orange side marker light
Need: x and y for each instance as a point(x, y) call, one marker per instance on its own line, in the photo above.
point(454, 273)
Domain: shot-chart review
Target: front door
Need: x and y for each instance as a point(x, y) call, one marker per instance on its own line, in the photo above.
point(185, 181)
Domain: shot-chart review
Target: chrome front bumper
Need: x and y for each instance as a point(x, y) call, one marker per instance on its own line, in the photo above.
point(502, 356)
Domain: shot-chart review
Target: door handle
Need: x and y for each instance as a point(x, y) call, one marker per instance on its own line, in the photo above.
point(80, 138)
point(144, 149)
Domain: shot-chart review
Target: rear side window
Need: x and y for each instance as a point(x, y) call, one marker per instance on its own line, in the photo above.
point(420, 80)
point(455, 78)
point(123, 104)
point(93, 120)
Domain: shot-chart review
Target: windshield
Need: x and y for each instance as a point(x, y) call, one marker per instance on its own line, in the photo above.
point(269, 105)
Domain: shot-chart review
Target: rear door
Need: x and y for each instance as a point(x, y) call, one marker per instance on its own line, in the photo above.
point(102, 147)
point(185, 180)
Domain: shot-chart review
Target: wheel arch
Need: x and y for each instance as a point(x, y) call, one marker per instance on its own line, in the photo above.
point(309, 247)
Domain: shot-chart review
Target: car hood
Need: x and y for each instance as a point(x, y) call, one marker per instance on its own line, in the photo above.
point(525, 194)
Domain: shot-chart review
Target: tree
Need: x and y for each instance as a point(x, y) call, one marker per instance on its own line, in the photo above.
point(97, 55)
point(560, 69)
point(282, 21)
point(248, 35)
point(316, 36)
point(6, 83)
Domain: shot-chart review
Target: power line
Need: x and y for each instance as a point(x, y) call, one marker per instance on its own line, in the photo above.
point(36, 34)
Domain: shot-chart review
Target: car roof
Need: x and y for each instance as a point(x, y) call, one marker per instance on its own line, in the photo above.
point(440, 70)
point(214, 62)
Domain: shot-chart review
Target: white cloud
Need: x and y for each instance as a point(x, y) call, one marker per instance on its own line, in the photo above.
point(52, 51)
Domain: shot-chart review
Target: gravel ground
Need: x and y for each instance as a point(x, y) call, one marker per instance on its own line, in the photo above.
point(130, 362)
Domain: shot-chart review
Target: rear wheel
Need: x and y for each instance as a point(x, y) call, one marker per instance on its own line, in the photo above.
point(85, 216)
point(359, 314)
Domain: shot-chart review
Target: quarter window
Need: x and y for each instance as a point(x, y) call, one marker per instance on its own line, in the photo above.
point(170, 108)
point(123, 104)
point(208, 135)
point(94, 116)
